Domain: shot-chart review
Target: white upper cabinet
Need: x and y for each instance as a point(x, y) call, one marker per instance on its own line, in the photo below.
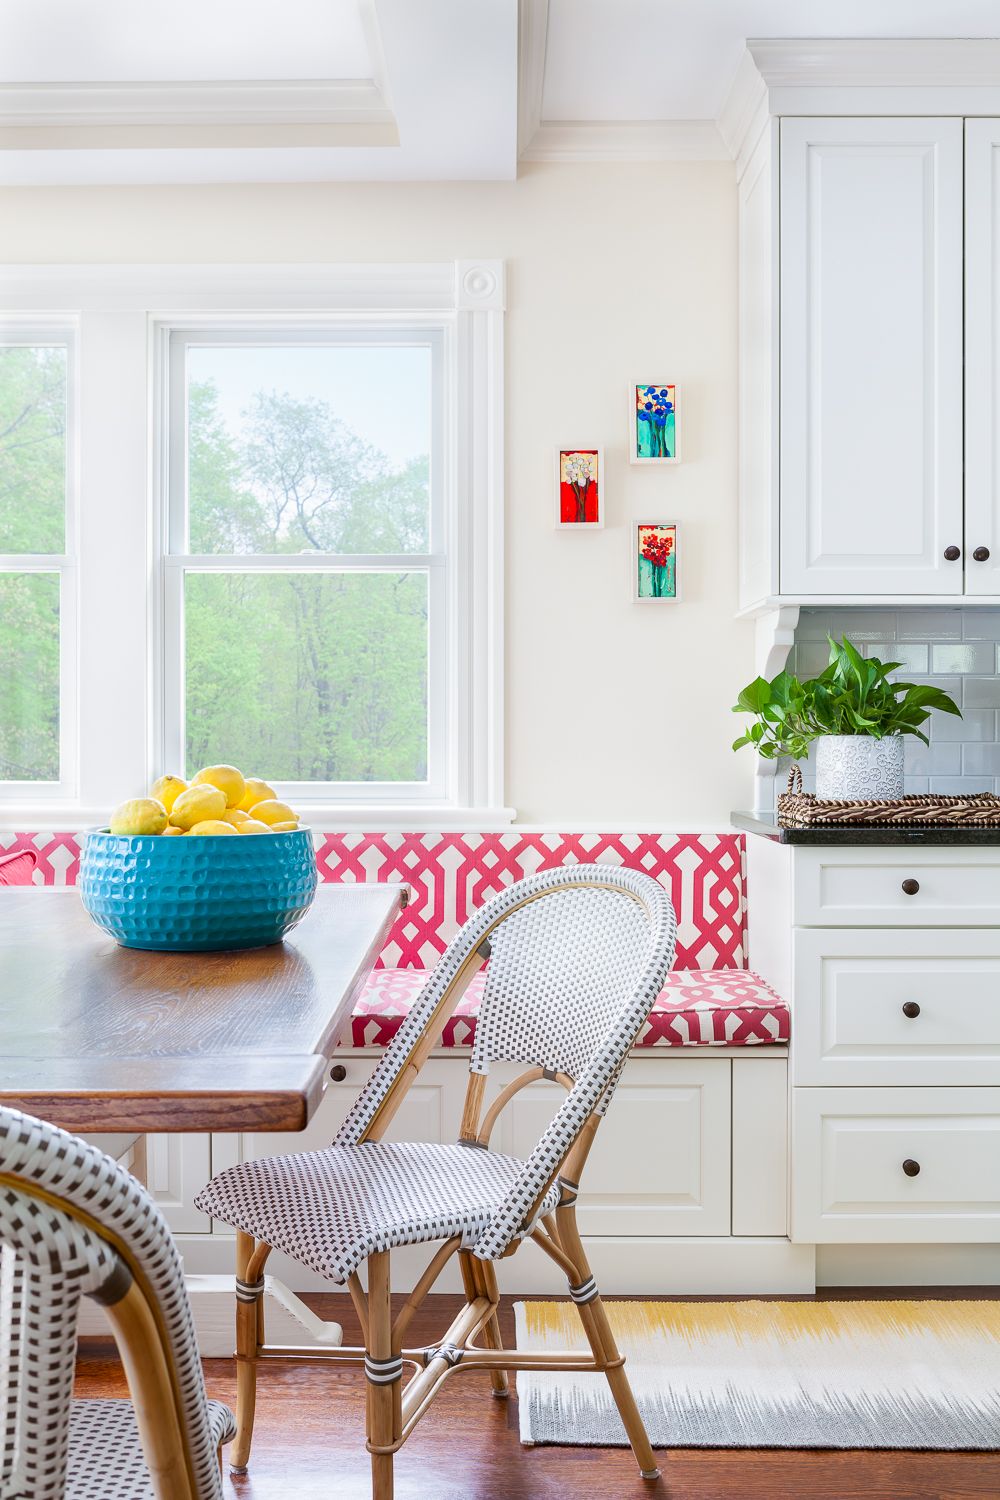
point(982, 348)
point(871, 308)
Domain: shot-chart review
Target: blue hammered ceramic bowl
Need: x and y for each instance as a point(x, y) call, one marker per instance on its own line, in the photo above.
point(197, 895)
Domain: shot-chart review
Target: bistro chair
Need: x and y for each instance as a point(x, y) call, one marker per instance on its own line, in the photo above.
point(576, 958)
point(74, 1224)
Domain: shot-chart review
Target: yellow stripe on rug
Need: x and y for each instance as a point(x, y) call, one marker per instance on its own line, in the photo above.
point(900, 1374)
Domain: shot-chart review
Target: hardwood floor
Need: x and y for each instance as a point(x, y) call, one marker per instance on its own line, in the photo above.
point(309, 1443)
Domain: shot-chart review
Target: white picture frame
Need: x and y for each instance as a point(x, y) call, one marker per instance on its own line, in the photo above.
point(597, 453)
point(639, 576)
point(634, 456)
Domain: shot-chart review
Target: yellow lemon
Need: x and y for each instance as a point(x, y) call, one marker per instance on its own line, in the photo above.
point(171, 829)
point(252, 826)
point(141, 815)
point(197, 804)
point(167, 789)
point(235, 816)
point(256, 791)
point(283, 827)
point(226, 778)
point(272, 811)
point(210, 827)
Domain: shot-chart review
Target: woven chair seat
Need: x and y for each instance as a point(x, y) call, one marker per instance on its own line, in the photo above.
point(331, 1209)
point(105, 1457)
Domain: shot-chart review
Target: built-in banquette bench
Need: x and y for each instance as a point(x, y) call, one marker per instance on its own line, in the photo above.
point(686, 1185)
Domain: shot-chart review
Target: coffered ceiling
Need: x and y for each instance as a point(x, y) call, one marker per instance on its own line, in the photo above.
point(113, 91)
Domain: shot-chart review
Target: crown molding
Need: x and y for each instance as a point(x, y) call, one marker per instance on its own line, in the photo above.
point(313, 111)
point(532, 44)
point(625, 140)
point(879, 63)
point(744, 112)
point(914, 76)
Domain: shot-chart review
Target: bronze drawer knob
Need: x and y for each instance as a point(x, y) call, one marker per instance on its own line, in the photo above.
point(338, 1073)
point(911, 1010)
point(911, 1167)
point(982, 554)
point(952, 554)
point(910, 886)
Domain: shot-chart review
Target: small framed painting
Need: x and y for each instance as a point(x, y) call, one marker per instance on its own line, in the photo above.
point(654, 562)
point(579, 489)
point(654, 430)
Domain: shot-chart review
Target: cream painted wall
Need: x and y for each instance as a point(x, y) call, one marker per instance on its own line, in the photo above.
point(617, 714)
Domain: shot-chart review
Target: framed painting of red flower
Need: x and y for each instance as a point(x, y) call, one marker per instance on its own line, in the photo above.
point(579, 488)
point(654, 424)
point(655, 569)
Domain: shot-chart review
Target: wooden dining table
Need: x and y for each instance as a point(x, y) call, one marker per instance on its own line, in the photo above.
point(94, 1037)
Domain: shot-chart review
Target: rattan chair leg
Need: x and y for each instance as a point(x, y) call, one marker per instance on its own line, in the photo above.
point(487, 1281)
point(157, 1417)
point(384, 1369)
point(602, 1342)
point(248, 1330)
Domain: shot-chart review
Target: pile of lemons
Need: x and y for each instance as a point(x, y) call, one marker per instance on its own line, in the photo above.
point(219, 800)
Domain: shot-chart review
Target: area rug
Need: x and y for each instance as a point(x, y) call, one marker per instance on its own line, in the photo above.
point(775, 1375)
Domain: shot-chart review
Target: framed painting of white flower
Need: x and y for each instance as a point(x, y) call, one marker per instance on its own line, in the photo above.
point(579, 489)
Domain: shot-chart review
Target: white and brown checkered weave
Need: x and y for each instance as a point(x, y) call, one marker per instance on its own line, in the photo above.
point(578, 956)
point(50, 1446)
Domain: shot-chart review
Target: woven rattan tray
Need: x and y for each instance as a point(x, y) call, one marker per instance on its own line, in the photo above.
point(798, 809)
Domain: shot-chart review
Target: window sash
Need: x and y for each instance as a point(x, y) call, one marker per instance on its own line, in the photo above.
point(177, 562)
point(36, 332)
point(435, 788)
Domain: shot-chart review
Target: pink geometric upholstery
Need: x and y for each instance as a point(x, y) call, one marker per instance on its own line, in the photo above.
point(450, 875)
point(696, 1008)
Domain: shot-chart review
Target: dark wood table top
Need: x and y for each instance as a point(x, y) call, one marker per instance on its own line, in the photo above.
point(97, 1037)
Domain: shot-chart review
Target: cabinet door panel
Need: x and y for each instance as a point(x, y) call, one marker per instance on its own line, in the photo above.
point(660, 1163)
point(178, 1167)
point(871, 356)
point(982, 349)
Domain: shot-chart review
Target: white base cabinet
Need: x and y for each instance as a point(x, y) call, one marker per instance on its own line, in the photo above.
point(891, 960)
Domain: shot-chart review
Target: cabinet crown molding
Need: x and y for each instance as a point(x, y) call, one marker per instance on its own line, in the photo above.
point(849, 76)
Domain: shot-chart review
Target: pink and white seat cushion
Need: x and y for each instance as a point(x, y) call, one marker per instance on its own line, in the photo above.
point(695, 1008)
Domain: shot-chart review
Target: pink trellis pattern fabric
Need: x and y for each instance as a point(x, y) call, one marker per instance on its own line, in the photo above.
point(450, 875)
point(695, 1008)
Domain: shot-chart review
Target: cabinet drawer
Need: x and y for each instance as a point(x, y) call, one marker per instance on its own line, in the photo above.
point(849, 1147)
point(848, 887)
point(895, 1007)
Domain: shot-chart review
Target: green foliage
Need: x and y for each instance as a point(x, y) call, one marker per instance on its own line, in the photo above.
point(32, 449)
point(304, 676)
point(32, 519)
point(852, 695)
point(29, 677)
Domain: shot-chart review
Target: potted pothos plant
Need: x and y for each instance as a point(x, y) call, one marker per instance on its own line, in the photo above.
point(852, 712)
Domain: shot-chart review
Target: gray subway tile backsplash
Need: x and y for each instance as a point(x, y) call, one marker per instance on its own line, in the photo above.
point(964, 656)
point(955, 649)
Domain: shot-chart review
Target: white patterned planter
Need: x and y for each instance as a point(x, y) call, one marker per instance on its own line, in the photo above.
point(855, 767)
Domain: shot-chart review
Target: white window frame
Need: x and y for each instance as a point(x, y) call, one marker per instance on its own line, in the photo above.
point(34, 332)
point(435, 565)
point(128, 594)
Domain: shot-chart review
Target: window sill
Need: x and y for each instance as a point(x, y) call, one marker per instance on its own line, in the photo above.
point(324, 817)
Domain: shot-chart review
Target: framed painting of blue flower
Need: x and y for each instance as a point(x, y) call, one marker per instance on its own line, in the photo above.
point(654, 424)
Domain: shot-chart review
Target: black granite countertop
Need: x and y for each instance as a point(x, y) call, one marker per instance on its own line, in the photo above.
point(765, 826)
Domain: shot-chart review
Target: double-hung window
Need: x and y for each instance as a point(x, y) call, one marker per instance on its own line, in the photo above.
point(306, 610)
point(286, 484)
